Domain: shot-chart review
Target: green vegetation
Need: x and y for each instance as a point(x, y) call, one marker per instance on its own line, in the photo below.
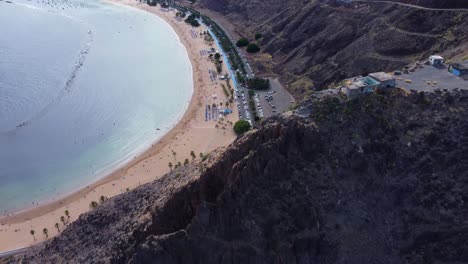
point(152, 2)
point(242, 42)
point(192, 20)
point(216, 30)
point(241, 126)
point(258, 83)
point(217, 61)
point(103, 199)
point(253, 108)
point(204, 156)
point(93, 205)
point(225, 90)
point(258, 36)
point(180, 14)
point(226, 44)
point(253, 48)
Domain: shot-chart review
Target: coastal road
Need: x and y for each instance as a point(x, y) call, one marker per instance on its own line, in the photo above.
point(414, 6)
point(18, 251)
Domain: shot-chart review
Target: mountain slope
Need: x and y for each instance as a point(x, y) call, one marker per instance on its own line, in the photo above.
point(382, 179)
point(311, 44)
point(436, 3)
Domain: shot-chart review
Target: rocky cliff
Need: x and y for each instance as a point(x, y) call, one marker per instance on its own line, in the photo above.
point(312, 44)
point(381, 179)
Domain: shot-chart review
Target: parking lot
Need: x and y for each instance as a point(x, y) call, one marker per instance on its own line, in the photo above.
point(276, 100)
point(429, 78)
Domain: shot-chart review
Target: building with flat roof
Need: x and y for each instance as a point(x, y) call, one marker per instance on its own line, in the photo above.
point(459, 69)
point(368, 84)
point(385, 80)
point(436, 60)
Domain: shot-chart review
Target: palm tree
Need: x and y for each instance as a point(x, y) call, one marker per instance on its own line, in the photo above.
point(32, 232)
point(186, 161)
point(192, 153)
point(170, 166)
point(62, 218)
point(93, 204)
point(57, 226)
point(102, 199)
point(179, 164)
point(67, 213)
point(46, 232)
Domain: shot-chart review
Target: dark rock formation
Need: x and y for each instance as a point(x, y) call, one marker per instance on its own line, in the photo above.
point(381, 179)
point(315, 43)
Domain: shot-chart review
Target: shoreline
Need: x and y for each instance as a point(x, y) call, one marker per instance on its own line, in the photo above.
point(192, 128)
point(109, 174)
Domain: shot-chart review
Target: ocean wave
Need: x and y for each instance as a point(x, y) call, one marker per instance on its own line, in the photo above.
point(67, 87)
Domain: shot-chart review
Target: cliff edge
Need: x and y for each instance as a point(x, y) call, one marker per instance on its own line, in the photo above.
point(380, 179)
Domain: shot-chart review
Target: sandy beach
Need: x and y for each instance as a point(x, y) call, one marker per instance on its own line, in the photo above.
point(192, 133)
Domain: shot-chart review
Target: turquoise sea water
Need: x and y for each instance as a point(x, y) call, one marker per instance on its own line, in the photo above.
point(84, 86)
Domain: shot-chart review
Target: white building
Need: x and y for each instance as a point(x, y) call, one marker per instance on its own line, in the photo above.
point(436, 60)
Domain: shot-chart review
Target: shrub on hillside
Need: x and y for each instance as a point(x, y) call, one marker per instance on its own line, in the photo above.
point(253, 48)
point(241, 126)
point(242, 42)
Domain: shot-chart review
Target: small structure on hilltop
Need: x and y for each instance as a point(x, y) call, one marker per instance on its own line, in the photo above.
point(385, 80)
point(459, 69)
point(368, 84)
point(436, 60)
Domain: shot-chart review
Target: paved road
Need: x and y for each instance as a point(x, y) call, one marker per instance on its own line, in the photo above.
point(248, 69)
point(17, 251)
point(430, 79)
point(415, 6)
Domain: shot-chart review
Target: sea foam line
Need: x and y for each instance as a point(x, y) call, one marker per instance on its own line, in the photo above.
point(68, 84)
point(79, 63)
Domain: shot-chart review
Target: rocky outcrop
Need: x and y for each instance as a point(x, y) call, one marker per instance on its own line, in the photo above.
point(311, 44)
point(381, 179)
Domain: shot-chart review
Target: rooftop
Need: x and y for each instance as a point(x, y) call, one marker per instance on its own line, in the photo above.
point(437, 57)
point(364, 81)
point(381, 76)
point(461, 65)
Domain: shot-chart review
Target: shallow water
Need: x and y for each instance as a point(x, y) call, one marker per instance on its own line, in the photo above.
point(84, 86)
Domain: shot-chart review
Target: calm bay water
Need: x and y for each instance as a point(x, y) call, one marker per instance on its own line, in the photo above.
point(84, 86)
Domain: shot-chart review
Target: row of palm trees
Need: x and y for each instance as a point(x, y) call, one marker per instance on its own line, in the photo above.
point(45, 231)
point(95, 204)
point(186, 161)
